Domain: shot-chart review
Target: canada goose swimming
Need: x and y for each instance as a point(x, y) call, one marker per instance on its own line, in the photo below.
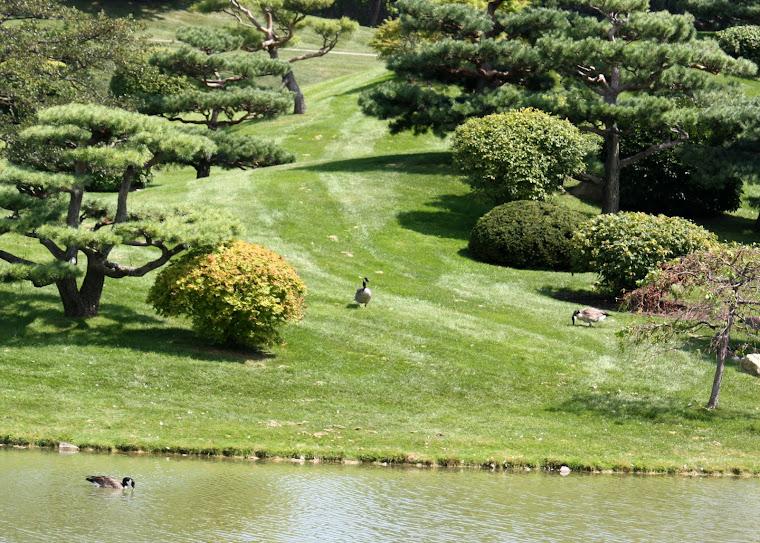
point(364, 294)
point(111, 482)
point(589, 315)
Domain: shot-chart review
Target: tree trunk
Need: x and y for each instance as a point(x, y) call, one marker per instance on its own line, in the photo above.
point(299, 102)
point(375, 18)
point(713, 402)
point(611, 202)
point(203, 168)
point(289, 82)
point(83, 302)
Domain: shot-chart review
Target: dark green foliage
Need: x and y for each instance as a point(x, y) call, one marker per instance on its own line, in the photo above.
point(521, 154)
point(458, 60)
point(741, 41)
point(623, 248)
point(526, 234)
point(677, 182)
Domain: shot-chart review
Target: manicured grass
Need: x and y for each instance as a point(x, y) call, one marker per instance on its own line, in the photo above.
point(453, 362)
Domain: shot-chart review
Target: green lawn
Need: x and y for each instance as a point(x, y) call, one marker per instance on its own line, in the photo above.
point(453, 362)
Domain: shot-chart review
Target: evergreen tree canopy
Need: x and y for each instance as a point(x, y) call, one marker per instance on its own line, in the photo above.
point(456, 59)
point(208, 81)
point(619, 67)
point(623, 67)
point(269, 25)
point(222, 81)
point(45, 199)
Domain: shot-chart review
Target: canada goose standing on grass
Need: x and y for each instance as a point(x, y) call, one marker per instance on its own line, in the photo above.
point(364, 294)
point(111, 482)
point(589, 315)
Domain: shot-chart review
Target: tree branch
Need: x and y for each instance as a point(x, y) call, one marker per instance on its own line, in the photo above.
point(117, 271)
point(683, 136)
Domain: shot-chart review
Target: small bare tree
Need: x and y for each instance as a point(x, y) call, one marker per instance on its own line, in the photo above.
point(711, 295)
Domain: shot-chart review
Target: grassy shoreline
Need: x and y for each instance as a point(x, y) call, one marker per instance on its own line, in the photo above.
point(454, 362)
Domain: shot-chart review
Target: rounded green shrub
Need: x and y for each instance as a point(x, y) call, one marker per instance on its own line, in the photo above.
point(741, 41)
point(239, 294)
point(522, 154)
point(526, 234)
point(623, 248)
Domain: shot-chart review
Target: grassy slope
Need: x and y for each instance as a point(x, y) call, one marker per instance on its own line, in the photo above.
point(453, 361)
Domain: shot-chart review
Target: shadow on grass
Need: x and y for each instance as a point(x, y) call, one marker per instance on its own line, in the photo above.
point(36, 319)
point(438, 163)
point(366, 87)
point(619, 408)
point(732, 228)
point(140, 9)
point(453, 216)
point(585, 297)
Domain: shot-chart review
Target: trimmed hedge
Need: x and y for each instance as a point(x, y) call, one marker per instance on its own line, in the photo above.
point(526, 234)
point(623, 248)
point(523, 154)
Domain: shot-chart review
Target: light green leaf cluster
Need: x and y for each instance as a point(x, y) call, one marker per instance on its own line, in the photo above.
point(50, 182)
point(65, 236)
point(38, 274)
point(258, 102)
point(209, 40)
point(195, 227)
point(625, 247)
point(330, 27)
point(519, 155)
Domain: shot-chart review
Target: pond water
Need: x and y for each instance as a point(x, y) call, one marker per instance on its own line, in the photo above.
point(43, 496)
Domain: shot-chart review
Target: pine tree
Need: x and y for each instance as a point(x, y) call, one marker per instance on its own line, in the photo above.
point(222, 81)
point(452, 62)
point(209, 82)
point(270, 25)
point(620, 67)
point(623, 67)
point(45, 196)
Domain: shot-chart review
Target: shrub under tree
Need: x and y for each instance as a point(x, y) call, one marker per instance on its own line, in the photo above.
point(694, 180)
point(522, 154)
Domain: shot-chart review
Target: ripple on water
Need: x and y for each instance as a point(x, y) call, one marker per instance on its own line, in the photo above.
point(191, 500)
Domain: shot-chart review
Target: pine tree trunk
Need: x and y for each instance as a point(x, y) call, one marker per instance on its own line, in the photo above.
point(83, 302)
point(203, 168)
point(299, 102)
point(611, 202)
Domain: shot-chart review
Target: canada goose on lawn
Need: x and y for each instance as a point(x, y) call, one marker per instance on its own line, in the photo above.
point(364, 294)
point(111, 482)
point(589, 315)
